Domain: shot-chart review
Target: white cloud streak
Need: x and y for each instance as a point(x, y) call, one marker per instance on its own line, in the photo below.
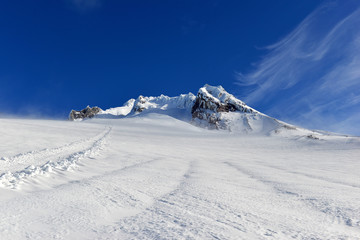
point(312, 76)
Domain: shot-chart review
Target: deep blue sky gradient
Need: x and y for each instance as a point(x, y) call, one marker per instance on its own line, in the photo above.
point(61, 54)
point(58, 55)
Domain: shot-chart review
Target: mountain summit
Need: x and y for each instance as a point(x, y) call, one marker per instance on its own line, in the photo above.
point(213, 108)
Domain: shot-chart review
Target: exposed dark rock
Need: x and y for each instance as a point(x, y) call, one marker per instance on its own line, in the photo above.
point(312, 137)
point(284, 126)
point(288, 127)
point(212, 101)
point(87, 112)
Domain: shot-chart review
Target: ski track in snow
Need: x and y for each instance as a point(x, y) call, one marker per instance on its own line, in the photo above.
point(67, 157)
point(158, 178)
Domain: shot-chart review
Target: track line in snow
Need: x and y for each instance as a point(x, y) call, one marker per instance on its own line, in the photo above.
point(337, 214)
point(176, 211)
point(116, 172)
point(276, 186)
point(47, 152)
point(311, 176)
point(97, 202)
point(14, 179)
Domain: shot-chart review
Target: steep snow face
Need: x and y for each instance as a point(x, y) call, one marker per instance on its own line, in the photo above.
point(120, 111)
point(184, 101)
point(215, 108)
point(217, 99)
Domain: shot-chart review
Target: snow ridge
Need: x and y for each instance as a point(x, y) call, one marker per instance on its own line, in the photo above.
point(184, 101)
point(218, 96)
point(120, 111)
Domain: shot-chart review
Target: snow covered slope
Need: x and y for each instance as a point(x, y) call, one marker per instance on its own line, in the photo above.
point(151, 176)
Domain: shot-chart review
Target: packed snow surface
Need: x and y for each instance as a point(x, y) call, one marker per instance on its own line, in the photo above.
point(152, 176)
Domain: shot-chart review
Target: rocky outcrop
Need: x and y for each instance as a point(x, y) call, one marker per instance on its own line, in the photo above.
point(212, 101)
point(140, 104)
point(87, 112)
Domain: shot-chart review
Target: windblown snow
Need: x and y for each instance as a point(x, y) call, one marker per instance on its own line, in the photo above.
point(152, 176)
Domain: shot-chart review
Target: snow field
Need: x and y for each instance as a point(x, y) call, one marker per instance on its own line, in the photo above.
point(155, 177)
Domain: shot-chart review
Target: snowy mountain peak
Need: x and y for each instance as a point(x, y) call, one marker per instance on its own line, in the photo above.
point(218, 100)
point(213, 108)
point(216, 92)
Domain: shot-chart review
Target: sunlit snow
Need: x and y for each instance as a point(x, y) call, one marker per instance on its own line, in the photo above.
point(152, 176)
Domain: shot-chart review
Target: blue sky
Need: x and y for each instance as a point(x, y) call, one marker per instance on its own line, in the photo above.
point(294, 60)
point(311, 77)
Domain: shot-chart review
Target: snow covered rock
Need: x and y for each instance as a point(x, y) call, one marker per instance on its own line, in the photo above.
point(215, 108)
point(212, 101)
point(87, 112)
point(218, 100)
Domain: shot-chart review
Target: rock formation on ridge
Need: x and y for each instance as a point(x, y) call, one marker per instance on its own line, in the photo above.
point(87, 112)
point(212, 101)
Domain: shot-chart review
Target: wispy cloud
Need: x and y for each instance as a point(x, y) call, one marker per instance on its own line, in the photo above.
point(312, 76)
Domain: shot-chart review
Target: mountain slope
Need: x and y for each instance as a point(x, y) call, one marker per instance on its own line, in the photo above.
point(212, 108)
